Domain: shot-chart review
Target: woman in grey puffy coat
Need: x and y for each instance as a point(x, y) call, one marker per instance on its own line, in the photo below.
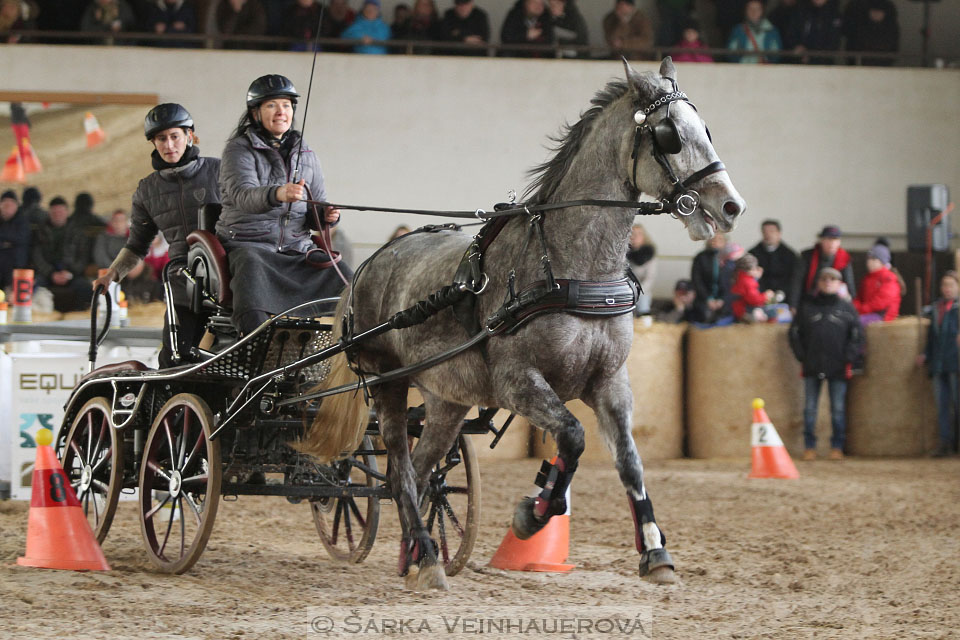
point(267, 173)
point(168, 201)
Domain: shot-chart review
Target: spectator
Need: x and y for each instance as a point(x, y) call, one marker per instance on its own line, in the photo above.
point(402, 15)
point(642, 261)
point(729, 13)
point(423, 24)
point(139, 284)
point(157, 256)
point(705, 275)
point(691, 40)
point(879, 294)
point(528, 22)
point(402, 230)
point(301, 19)
point(728, 272)
point(465, 23)
point(754, 34)
point(941, 358)
point(110, 16)
point(569, 27)
point(748, 301)
point(778, 260)
point(368, 28)
point(872, 25)
point(672, 17)
point(54, 260)
point(14, 238)
point(681, 307)
point(816, 27)
point(32, 208)
point(826, 253)
point(11, 19)
point(336, 18)
point(173, 17)
point(86, 225)
point(782, 17)
point(241, 18)
point(628, 31)
point(826, 338)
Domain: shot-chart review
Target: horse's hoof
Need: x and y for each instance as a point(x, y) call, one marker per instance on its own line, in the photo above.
point(657, 567)
point(525, 523)
point(432, 577)
point(410, 580)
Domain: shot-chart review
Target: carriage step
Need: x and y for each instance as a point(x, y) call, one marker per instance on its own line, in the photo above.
point(319, 491)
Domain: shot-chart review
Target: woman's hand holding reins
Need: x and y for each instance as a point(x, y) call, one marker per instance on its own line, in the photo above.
point(291, 192)
point(331, 215)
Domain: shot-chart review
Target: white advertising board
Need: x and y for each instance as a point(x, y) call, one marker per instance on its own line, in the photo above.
point(33, 390)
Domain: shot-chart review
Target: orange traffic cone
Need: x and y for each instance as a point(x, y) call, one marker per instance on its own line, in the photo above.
point(546, 550)
point(58, 534)
point(95, 134)
point(770, 457)
point(13, 168)
point(31, 163)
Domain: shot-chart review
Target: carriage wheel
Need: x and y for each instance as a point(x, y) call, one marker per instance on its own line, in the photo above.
point(92, 458)
point(348, 525)
point(451, 505)
point(179, 484)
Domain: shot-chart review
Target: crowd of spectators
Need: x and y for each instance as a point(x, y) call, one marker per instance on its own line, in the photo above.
point(789, 33)
point(66, 247)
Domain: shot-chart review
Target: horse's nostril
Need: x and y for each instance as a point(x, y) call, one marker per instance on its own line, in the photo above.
point(731, 208)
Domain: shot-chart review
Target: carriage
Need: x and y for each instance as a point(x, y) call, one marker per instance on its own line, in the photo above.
point(225, 424)
point(537, 314)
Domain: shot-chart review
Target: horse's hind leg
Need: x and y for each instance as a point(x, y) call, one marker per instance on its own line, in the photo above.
point(612, 401)
point(418, 556)
point(443, 422)
point(535, 400)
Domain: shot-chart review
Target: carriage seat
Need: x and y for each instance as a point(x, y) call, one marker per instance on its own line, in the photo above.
point(116, 367)
point(207, 262)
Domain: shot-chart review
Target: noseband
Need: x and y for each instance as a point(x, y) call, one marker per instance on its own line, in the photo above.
point(682, 200)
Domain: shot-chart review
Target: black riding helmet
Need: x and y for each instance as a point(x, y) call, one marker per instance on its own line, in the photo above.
point(166, 116)
point(271, 86)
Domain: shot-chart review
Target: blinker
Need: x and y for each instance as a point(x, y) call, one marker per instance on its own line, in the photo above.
point(667, 136)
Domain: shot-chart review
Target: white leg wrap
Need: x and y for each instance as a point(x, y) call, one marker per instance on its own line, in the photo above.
point(651, 536)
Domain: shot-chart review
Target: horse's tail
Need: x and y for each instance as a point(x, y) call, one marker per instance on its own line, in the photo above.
point(341, 420)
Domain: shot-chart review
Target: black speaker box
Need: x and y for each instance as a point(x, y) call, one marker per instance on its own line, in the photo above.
point(924, 202)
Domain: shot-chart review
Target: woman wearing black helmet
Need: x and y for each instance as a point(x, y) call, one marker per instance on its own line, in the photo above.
point(267, 169)
point(167, 201)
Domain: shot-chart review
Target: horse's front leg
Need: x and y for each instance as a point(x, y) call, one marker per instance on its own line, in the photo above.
point(418, 555)
point(532, 397)
point(612, 401)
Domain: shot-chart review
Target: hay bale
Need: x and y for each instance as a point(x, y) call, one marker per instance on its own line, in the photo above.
point(890, 408)
point(655, 365)
point(726, 368)
point(514, 445)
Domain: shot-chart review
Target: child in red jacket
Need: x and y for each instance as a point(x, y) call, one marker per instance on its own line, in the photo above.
point(748, 302)
point(879, 293)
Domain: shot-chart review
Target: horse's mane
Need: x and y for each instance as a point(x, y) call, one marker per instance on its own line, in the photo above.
point(547, 176)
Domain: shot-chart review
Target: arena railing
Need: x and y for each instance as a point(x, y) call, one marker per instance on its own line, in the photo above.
point(426, 47)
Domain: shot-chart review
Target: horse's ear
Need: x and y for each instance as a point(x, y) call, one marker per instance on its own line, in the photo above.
point(634, 79)
point(667, 70)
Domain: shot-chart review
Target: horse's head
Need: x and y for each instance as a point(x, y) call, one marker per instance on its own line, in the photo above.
point(672, 156)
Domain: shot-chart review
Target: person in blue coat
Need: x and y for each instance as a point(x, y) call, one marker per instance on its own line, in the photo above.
point(14, 237)
point(368, 27)
point(941, 357)
point(755, 36)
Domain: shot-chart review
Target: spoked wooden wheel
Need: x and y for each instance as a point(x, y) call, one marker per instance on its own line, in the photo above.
point(451, 506)
point(179, 484)
point(92, 458)
point(348, 525)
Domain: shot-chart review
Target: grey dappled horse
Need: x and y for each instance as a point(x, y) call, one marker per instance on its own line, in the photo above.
point(554, 357)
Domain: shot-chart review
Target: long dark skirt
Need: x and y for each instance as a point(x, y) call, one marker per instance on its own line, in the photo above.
point(265, 282)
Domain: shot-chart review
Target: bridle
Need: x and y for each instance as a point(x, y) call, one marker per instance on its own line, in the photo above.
point(682, 200)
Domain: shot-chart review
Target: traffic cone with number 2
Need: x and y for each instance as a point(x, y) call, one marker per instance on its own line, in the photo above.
point(769, 457)
point(58, 534)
